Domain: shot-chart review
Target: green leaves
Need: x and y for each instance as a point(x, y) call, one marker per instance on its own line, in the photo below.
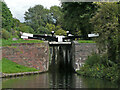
point(60, 32)
point(36, 17)
point(106, 24)
point(43, 20)
point(57, 14)
point(5, 34)
point(77, 16)
point(7, 20)
point(27, 29)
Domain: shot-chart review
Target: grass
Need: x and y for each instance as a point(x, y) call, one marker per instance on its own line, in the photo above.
point(11, 67)
point(86, 41)
point(10, 41)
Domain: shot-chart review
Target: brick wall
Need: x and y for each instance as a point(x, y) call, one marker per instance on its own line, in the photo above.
point(37, 55)
point(28, 54)
point(82, 51)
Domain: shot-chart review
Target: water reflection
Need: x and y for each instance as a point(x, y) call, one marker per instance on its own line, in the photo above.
point(61, 80)
point(56, 80)
point(61, 58)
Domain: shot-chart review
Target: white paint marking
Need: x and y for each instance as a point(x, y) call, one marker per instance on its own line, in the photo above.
point(27, 34)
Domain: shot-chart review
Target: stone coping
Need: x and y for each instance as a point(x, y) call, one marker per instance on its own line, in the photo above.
point(6, 75)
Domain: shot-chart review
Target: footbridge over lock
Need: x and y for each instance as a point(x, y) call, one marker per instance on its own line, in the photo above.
point(61, 51)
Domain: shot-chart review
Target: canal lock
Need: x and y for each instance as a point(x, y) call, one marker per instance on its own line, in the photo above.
point(61, 58)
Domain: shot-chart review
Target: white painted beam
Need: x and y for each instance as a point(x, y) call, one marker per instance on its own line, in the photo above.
point(93, 35)
point(24, 37)
point(60, 43)
point(27, 34)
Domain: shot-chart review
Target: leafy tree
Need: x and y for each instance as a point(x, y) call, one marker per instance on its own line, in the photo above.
point(7, 20)
point(106, 24)
point(16, 22)
point(60, 32)
point(77, 16)
point(25, 28)
point(37, 16)
point(57, 13)
point(57, 27)
point(0, 15)
point(42, 30)
point(50, 27)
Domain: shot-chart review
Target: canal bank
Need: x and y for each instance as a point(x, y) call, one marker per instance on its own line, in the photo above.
point(37, 55)
point(83, 50)
point(4, 75)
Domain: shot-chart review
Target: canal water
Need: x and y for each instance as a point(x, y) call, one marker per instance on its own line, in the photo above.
point(56, 80)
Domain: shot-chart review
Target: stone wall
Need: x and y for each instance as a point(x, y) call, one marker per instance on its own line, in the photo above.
point(36, 55)
point(28, 54)
point(82, 51)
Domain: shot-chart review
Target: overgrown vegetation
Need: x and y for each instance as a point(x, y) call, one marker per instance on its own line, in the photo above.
point(11, 67)
point(99, 67)
point(105, 64)
point(77, 17)
point(38, 20)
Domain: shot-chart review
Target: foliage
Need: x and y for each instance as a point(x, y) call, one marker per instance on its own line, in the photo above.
point(106, 24)
point(16, 22)
point(5, 34)
point(98, 67)
point(37, 16)
point(13, 67)
point(94, 59)
point(60, 32)
point(50, 27)
point(15, 34)
point(57, 27)
point(25, 28)
point(42, 30)
point(77, 16)
point(43, 20)
point(100, 71)
point(106, 64)
point(10, 42)
point(57, 15)
point(7, 20)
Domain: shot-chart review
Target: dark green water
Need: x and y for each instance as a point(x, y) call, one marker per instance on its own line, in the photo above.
point(53, 80)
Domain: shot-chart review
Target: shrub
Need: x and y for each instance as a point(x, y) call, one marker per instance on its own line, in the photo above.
point(5, 34)
point(100, 67)
point(26, 29)
point(94, 59)
point(15, 34)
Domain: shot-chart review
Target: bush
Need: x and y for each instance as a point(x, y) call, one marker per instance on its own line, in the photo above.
point(15, 34)
point(100, 71)
point(5, 34)
point(99, 67)
point(26, 29)
point(94, 59)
